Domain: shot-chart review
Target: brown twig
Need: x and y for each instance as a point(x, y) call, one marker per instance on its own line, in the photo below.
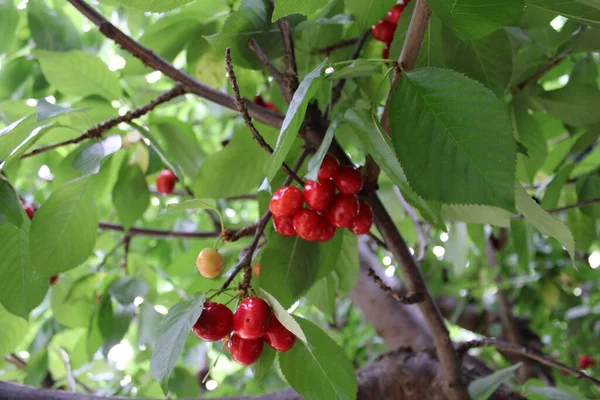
point(105, 126)
point(553, 62)
point(291, 71)
point(158, 233)
point(379, 242)
point(413, 298)
point(264, 59)
point(463, 348)
point(336, 46)
point(241, 106)
point(418, 228)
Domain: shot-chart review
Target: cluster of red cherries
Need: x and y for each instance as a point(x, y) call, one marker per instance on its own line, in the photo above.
point(245, 331)
point(327, 210)
point(385, 28)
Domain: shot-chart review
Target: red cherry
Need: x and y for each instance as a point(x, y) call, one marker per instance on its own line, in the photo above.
point(307, 224)
point(244, 351)
point(28, 210)
point(386, 51)
point(383, 31)
point(585, 362)
point(329, 167)
point(165, 181)
point(394, 14)
point(252, 318)
point(215, 322)
point(286, 201)
point(343, 211)
point(270, 106)
point(259, 100)
point(363, 221)
point(53, 279)
point(327, 230)
point(278, 337)
point(348, 180)
point(319, 196)
point(284, 226)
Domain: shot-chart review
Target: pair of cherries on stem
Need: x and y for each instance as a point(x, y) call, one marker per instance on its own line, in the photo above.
point(384, 29)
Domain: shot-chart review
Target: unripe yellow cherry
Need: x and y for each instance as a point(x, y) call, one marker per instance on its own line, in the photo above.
point(209, 263)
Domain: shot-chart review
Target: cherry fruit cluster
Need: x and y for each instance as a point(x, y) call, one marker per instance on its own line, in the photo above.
point(327, 210)
point(245, 331)
point(385, 28)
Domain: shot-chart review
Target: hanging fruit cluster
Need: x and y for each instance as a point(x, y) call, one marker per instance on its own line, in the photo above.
point(245, 331)
point(327, 210)
point(385, 28)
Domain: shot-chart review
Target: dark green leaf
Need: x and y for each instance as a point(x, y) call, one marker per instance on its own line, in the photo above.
point(314, 164)
point(131, 195)
point(11, 210)
point(287, 7)
point(588, 188)
point(368, 12)
point(555, 187)
point(482, 388)
point(127, 288)
point(264, 363)
point(113, 324)
point(51, 29)
point(89, 159)
point(181, 144)
point(585, 11)
point(583, 228)
point(530, 135)
point(184, 384)
point(574, 104)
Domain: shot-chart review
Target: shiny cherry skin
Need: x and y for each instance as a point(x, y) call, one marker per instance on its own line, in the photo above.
point(394, 14)
point(329, 167)
point(383, 31)
point(585, 362)
point(244, 351)
point(278, 337)
point(215, 322)
point(252, 318)
point(286, 201)
point(385, 54)
point(327, 230)
point(165, 181)
point(348, 180)
point(343, 211)
point(52, 280)
point(363, 221)
point(319, 196)
point(307, 224)
point(284, 226)
point(28, 210)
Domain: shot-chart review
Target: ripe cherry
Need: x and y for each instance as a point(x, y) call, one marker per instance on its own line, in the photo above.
point(28, 210)
point(252, 318)
point(585, 362)
point(329, 167)
point(270, 106)
point(383, 31)
point(284, 225)
point(244, 351)
point(319, 196)
point(278, 337)
point(286, 201)
point(327, 230)
point(215, 322)
point(343, 211)
point(307, 224)
point(348, 180)
point(165, 181)
point(386, 51)
point(259, 100)
point(394, 14)
point(363, 221)
point(209, 263)
point(52, 280)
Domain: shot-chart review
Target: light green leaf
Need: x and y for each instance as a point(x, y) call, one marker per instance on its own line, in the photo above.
point(130, 195)
point(340, 256)
point(314, 164)
point(264, 363)
point(79, 74)
point(181, 144)
point(473, 19)
point(127, 288)
point(476, 214)
point(89, 159)
point(9, 19)
point(20, 291)
point(172, 333)
point(529, 133)
point(543, 221)
point(14, 330)
point(305, 7)
point(283, 316)
point(47, 110)
point(194, 204)
point(585, 11)
point(482, 388)
point(12, 135)
point(522, 240)
point(35, 133)
point(552, 393)
point(453, 138)
point(148, 323)
point(113, 324)
point(458, 247)
point(11, 210)
point(368, 12)
point(573, 104)
point(64, 229)
point(321, 372)
point(293, 119)
point(73, 311)
point(150, 5)
point(322, 296)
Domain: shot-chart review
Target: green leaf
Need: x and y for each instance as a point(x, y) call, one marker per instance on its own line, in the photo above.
point(20, 291)
point(11, 210)
point(554, 189)
point(130, 195)
point(473, 19)
point(340, 256)
point(379, 146)
point(293, 119)
point(150, 5)
point(89, 159)
point(184, 384)
point(305, 7)
point(73, 311)
point(14, 330)
point(127, 288)
point(283, 316)
point(522, 240)
point(368, 12)
point(443, 113)
point(583, 228)
point(530, 135)
point(194, 204)
point(47, 110)
point(321, 372)
point(458, 247)
point(585, 11)
point(322, 296)
point(172, 333)
point(552, 393)
point(573, 104)
point(12, 135)
point(482, 388)
point(64, 229)
point(588, 188)
point(181, 144)
point(148, 323)
point(288, 267)
point(113, 324)
point(476, 214)
point(9, 20)
point(314, 164)
point(14, 75)
point(35, 133)
point(264, 363)
point(487, 60)
point(51, 29)
point(543, 221)
point(79, 74)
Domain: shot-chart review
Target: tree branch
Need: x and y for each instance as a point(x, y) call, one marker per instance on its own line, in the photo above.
point(332, 47)
point(553, 62)
point(410, 299)
point(105, 126)
point(264, 59)
point(158, 233)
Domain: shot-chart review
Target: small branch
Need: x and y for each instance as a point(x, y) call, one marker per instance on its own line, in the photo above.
point(16, 361)
point(413, 298)
point(291, 71)
point(339, 45)
point(379, 242)
point(110, 253)
point(414, 36)
point(241, 106)
point(127, 243)
point(70, 378)
point(182, 192)
point(105, 126)
point(418, 228)
point(158, 233)
point(264, 59)
point(463, 348)
point(553, 62)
